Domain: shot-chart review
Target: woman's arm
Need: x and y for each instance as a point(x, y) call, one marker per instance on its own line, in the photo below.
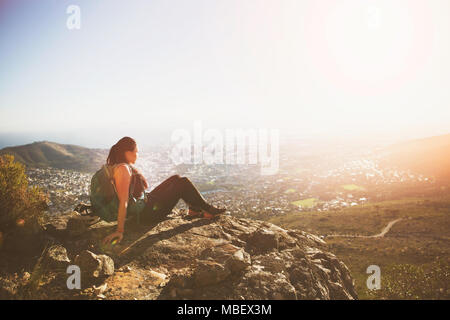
point(122, 178)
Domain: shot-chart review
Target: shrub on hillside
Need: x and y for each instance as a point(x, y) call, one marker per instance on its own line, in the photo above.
point(406, 281)
point(21, 206)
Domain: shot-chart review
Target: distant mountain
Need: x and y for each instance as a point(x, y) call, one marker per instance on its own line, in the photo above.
point(429, 156)
point(61, 156)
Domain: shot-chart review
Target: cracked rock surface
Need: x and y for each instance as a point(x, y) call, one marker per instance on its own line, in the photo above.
point(223, 258)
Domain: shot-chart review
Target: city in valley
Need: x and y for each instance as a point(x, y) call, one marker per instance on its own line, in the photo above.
point(308, 179)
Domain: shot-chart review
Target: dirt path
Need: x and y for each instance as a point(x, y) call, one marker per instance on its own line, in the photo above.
point(380, 235)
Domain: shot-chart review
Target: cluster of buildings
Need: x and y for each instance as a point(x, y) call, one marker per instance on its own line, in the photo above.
point(65, 188)
point(319, 184)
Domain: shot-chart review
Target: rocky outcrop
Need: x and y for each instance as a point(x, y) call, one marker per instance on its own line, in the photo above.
point(245, 259)
point(225, 258)
point(94, 266)
point(56, 257)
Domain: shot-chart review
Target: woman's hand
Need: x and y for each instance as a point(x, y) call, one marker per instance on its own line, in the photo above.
point(112, 236)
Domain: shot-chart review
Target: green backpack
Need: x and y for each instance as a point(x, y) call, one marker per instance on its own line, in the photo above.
point(104, 199)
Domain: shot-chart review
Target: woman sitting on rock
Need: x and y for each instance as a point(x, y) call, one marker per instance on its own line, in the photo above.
point(130, 184)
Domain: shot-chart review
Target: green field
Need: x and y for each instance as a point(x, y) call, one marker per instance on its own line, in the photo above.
point(306, 203)
point(418, 239)
point(352, 187)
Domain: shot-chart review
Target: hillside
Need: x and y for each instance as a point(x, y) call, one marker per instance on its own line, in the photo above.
point(419, 236)
point(61, 156)
point(429, 156)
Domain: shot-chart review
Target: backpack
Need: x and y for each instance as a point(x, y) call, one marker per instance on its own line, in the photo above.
point(104, 199)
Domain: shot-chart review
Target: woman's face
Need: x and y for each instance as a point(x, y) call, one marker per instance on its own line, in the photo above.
point(131, 156)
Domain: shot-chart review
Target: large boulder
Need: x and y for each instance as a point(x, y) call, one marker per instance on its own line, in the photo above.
point(223, 258)
point(56, 257)
point(94, 266)
point(232, 258)
point(263, 240)
point(209, 272)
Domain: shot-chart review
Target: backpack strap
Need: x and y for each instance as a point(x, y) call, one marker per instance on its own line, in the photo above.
point(110, 177)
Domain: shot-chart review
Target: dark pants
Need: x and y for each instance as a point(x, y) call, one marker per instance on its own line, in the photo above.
point(161, 200)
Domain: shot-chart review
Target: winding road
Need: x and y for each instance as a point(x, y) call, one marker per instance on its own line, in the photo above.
point(380, 235)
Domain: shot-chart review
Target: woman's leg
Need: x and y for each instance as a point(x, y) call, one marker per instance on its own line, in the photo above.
point(166, 195)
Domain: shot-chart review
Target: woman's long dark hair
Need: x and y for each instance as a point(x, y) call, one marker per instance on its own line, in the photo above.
point(117, 155)
point(117, 151)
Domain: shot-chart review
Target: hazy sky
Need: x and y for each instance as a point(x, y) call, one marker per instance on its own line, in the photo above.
point(144, 68)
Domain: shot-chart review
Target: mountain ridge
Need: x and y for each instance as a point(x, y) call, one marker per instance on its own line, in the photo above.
point(42, 154)
point(429, 156)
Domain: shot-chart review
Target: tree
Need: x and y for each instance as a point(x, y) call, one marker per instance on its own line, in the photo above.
point(21, 206)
